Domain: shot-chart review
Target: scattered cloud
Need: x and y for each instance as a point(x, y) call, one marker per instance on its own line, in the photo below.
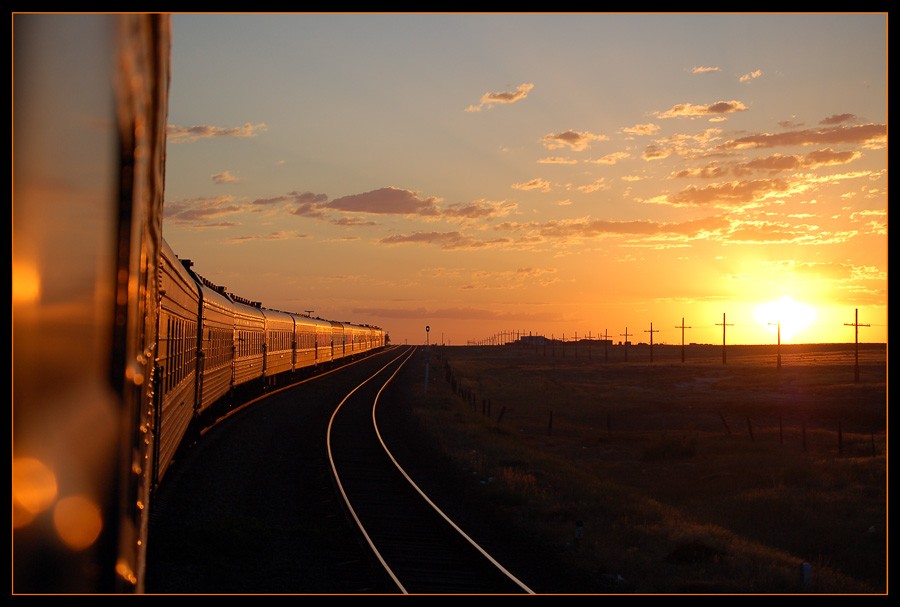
point(201, 210)
point(704, 70)
point(489, 99)
point(481, 209)
point(557, 160)
point(389, 200)
point(770, 164)
point(641, 129)
point(610, 158)
point(715, 109)
point(598, 184)
point(577, 141)
point(224, 177)
point(277, 235)
point(352, 222)
point(734, 194)
point(874, 135)
point(444, 240)
point(682, 144)
point(750, 76)
point(535, 184)
point(838, 119)
point(186, 134)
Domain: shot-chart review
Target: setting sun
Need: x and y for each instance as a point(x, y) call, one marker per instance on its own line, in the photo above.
point(794, 317)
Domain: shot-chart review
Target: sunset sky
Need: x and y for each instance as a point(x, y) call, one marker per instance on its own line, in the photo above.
point(545, 173)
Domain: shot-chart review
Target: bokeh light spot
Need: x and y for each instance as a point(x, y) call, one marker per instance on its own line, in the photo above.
point(34, 489)
point(78, 521)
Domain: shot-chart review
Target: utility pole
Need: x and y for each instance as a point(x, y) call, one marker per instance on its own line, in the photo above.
point(626, 334)
point(682, 327)
point(651, 332)
point(856, 327)
point(724, 324)
point(779, 341)
point(606, 345)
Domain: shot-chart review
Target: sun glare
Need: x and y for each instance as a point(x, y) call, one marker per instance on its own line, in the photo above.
point(786, 314)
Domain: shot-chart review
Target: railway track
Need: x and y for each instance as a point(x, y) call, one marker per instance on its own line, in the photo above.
point(422, 550)
point(252, 507)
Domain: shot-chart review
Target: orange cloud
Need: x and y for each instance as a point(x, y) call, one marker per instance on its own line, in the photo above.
point(865, 134)
point(610, 158)
point(750, 76)
point(688, 109)
point(641, 129)
point(200, 209)
point(478, 210)
point(277, 235)
point(224, 177)
point(557, 160)
point(186, 134)
point(387, 200)
point(445, 240)
point(489, 99)
point(838, 119)
point(769, 232)
point(534, 184)
point(575, 140)
point(736, 194)
point(771, 164)
point(704, 70)
point(598, 184)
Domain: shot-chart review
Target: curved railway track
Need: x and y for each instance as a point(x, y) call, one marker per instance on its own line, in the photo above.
point(251, 508)
point(421, 548)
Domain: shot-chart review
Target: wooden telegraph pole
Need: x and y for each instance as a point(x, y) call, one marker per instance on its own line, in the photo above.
point(651, 332)
point(682, 327)
point(724, 324)
point(626, 334)
point(855, 324)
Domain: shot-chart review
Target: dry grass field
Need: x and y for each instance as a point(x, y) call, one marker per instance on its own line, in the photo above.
point(671, 477)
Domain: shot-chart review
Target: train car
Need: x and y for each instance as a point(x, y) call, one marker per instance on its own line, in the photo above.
point(324, 342)
point(310, 336)
point(357, 338)
point(279, 344)
point(249, 341)
point(176, 357)
point(337, 340)
point(217, 345)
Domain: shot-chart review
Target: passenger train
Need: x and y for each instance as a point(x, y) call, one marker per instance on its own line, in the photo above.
point(211, 343)
point(119, 346)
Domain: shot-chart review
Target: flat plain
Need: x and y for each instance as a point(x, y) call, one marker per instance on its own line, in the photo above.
point(725, 473)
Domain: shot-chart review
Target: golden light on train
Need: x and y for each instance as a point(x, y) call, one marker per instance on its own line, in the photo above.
point(78, 521)
point(34, 489)
point(787, 315)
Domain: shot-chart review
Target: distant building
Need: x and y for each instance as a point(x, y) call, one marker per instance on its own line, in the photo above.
point(533, 340)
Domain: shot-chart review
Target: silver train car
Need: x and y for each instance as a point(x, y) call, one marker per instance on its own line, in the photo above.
point(215, 347)
point(118, 346)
